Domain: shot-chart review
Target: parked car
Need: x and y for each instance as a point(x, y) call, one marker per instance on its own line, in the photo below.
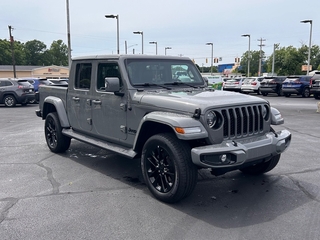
point(233, 84)
point(251, 85)
point(272, 85)
point(15, 91)
point(315, 85)
point(297, 84)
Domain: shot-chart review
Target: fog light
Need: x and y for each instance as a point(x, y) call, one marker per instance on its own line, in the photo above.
point(223, 157)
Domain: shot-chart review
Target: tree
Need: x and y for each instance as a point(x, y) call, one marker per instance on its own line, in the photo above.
point(34, 52)
point(5, 53)
point(58, 53)
point(254, 62)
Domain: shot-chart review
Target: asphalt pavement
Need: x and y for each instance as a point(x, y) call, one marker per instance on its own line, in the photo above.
point(89, 193)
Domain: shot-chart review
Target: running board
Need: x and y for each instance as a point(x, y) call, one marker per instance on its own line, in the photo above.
point(127, 152)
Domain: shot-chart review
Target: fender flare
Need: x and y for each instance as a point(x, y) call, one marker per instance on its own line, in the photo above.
point(59, 106)
point(174, 120)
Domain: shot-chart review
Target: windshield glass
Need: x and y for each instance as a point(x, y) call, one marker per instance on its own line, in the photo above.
point(153, 72)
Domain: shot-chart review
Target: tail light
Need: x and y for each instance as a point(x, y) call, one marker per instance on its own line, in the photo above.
point(19, 86)
point(254, 83)
point(236, 82)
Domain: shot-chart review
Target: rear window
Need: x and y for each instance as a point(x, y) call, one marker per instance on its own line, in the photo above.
point(24, 83)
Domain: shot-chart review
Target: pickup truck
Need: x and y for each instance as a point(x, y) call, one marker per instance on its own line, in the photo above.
point(138, 107)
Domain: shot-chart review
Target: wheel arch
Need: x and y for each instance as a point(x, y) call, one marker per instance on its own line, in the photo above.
point(54, 104)
point(160, 122)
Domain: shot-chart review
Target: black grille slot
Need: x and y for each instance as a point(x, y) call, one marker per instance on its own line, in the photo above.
point(242, 121)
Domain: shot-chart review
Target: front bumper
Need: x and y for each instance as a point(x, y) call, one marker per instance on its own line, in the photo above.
point(235, 153)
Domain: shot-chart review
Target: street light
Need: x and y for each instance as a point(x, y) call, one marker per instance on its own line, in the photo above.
point(165, 50)
point(210, 43)
point(117, 17)
point(140, 32)
point(308, 21)
point(156, 46)
point(249, 54)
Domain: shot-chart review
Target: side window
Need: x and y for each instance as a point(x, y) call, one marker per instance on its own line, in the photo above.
point(83, 76)
point(107, 70)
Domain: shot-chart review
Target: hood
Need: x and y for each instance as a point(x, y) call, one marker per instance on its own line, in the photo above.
point(188, 101)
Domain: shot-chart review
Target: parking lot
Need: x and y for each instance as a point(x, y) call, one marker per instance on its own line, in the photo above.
point(89, 193)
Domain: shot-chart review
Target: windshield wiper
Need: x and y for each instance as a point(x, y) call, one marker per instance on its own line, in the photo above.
point(152, 84)
point(180, 83)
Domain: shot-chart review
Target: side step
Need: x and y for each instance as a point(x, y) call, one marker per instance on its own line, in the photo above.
point(127, 152)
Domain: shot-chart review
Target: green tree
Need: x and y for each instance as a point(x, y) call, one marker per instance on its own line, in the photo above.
point(254, 62)
point(34, 52)
point(5, 53)
point(58, 53)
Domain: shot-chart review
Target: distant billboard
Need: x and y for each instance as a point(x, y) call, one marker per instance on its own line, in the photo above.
point(304, 68)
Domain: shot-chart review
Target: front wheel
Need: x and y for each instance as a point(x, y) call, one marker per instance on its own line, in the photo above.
point(56, 141)
point(261, 168)
point(167, 168)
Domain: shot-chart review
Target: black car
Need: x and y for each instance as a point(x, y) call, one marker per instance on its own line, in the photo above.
point(14, 91)
point(272, 85)
point(315, 85)
point(298, 84)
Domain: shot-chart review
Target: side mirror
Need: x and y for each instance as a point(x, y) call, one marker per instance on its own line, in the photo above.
point(112, 84)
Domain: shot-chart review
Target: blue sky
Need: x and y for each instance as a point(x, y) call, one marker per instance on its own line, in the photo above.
point(185, 26)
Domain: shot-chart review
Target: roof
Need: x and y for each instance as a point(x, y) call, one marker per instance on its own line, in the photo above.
point(18, 68)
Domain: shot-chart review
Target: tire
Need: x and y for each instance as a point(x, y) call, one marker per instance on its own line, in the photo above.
point(261, 168)
point(10, 101)
point(287, 94)
point(264, 94)
point(258, 91)
point(316, 96)
point(167, 168)
point(306, 92)
point(56, 141)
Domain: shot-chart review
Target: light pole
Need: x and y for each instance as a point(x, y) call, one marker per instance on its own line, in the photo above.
point(210, 43)
point(275, 46)
point(165, 50)
point(117, 17)
point(249, 54)
point(156, 46)
point(308, 21)
point(140, 32)
point(68, 33)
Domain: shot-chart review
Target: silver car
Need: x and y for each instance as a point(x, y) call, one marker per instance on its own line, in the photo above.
point(251, 85)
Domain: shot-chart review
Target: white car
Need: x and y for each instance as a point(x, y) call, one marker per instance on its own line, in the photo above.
point(233, 84)
point(251, 85)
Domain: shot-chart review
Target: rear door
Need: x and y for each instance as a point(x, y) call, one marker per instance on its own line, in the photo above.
point(79, 99)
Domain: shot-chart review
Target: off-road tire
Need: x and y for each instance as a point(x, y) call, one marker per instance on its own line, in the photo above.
point(56, 141)
point(261, 168)
point(167, 168)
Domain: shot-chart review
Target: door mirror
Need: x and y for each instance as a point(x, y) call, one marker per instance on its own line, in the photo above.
point(112, 84)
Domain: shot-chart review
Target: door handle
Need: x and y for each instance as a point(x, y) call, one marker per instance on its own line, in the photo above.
point(97, 102)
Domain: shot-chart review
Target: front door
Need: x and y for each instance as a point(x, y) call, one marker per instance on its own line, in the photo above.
point(108, 109)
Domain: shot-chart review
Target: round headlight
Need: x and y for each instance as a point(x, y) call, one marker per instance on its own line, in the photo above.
point(265, 112)
point(211, 119)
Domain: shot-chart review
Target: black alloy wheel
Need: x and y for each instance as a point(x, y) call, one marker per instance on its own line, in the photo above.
point(167, 168)
point(56, 141)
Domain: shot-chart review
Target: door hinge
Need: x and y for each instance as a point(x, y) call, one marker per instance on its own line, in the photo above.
point(123, 129)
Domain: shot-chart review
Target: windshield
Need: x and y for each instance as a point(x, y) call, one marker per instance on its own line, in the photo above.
point(154, 72)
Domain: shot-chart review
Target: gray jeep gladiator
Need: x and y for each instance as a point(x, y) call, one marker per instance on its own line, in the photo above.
point(139, 107)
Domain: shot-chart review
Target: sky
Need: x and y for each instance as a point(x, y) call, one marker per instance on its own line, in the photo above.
point(183, 25)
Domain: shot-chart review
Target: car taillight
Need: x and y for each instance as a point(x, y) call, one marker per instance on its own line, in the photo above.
point(20, 86)
point(236, 82)
point(253, 83)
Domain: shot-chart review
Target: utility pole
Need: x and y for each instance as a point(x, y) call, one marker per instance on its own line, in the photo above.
point(260, 57)
point(275, 46)
point(68, 34)
point(12, 51)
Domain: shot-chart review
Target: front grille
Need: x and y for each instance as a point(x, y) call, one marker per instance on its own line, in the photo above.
point(242, 121)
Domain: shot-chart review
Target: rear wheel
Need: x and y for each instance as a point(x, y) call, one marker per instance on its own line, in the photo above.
point(306, 92)
point(287, 94)
point(264, 94)
point(56, 141)
point(167, 168)
point(261, 168)
point(10, 101)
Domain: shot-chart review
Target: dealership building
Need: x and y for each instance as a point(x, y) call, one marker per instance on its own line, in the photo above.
point(6, 71)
